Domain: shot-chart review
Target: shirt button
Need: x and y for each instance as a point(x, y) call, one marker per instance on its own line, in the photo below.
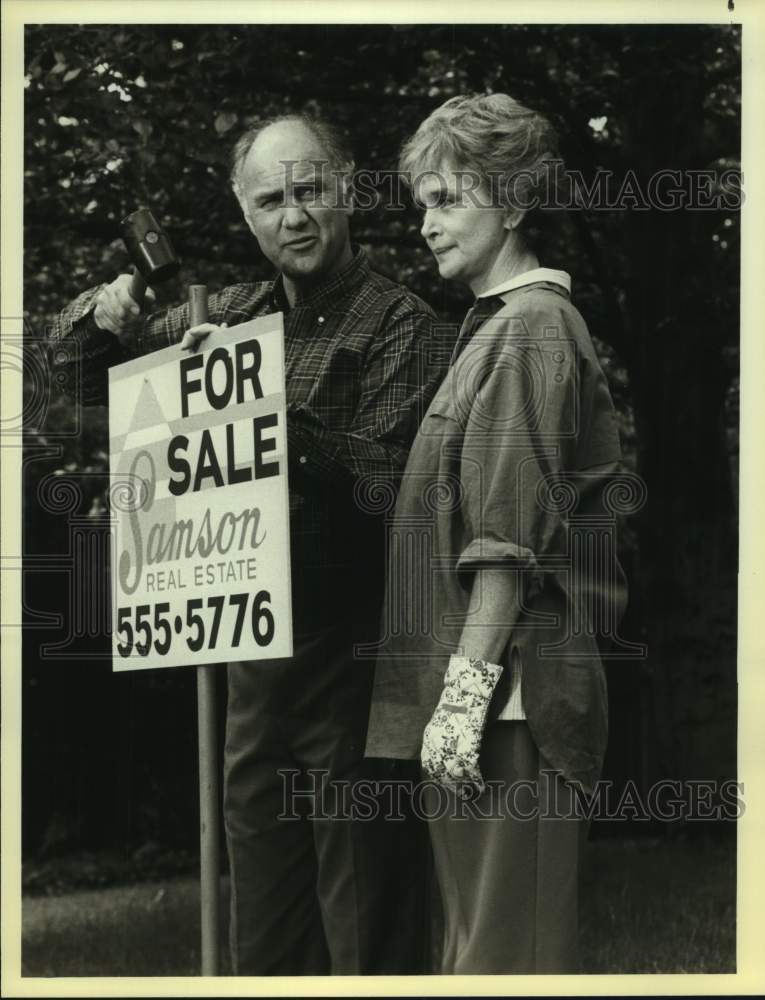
point(302, 459)
point(320, 319)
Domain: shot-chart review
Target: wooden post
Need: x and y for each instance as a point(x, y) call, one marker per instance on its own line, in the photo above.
point(209, 837)
point(209, 840)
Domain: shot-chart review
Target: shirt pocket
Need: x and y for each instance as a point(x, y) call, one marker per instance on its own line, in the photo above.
point(443, 406)
point(440, 430)
point(335, 391)
point(453, 402)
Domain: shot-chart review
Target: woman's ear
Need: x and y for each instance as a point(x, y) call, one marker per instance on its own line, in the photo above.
point(513, 217)
point(348, 195)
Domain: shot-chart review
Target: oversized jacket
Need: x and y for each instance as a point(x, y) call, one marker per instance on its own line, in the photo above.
point(515, 465)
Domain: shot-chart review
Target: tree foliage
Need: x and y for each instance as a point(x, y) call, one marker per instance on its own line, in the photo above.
point(129, 115)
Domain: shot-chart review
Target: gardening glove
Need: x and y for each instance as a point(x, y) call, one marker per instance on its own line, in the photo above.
point(452, 740)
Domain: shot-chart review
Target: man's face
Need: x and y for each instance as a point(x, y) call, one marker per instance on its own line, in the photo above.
point(293, 203)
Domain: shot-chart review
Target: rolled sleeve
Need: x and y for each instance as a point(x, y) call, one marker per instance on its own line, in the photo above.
point(494, 553)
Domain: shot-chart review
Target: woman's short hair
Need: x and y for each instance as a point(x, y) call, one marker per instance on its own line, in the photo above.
point(513, 147)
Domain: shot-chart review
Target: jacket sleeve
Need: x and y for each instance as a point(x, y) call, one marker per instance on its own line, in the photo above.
point(81, 353)
point(520, 434)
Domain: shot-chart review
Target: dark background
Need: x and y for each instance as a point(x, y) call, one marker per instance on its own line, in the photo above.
point(123, 116)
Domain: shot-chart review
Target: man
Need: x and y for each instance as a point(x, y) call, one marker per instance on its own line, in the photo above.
point(312, 895)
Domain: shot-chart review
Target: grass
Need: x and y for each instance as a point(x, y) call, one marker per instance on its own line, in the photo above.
point(151, 929)
point(653, 906)
point(648, 906)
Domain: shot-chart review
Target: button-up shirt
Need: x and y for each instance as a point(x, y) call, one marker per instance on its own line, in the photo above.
point(362, 363)
point(510, 469)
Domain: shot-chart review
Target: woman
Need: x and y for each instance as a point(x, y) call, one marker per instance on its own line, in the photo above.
point(502, 572)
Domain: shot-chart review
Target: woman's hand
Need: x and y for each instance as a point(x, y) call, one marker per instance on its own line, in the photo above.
point(451, 745)
point(194, 336)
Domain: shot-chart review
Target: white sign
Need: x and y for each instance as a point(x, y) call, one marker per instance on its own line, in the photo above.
point(198, 459)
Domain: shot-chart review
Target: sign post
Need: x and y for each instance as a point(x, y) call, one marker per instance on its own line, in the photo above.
point(209, 834)
point(207, 728)
point(198, 452)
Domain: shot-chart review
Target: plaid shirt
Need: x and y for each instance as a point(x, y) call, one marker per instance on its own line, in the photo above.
point(362, 363)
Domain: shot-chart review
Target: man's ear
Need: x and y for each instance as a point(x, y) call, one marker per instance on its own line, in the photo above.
point(243, 206)
point(248, 220)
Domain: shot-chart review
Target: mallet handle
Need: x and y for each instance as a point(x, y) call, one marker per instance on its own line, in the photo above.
point(137, 287)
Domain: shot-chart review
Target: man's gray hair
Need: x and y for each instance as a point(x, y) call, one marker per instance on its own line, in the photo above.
point(330, 137)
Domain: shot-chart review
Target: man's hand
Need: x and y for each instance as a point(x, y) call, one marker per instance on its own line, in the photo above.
point(117, 311)
point(193, 337)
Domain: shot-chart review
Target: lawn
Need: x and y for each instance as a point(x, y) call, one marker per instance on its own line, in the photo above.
point(648, 906)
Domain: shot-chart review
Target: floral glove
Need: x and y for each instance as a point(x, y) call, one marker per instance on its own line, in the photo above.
point(452, 741)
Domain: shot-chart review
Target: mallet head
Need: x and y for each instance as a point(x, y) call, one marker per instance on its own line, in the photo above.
point(149, 248)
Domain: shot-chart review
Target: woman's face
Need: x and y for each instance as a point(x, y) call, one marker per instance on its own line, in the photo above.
point(468, 235)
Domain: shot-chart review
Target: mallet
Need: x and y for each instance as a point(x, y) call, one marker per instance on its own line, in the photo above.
point(151, 252)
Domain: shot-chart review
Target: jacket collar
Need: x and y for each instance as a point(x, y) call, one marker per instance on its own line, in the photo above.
point(536, 274)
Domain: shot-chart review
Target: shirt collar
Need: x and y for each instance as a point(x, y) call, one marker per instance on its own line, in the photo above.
point(529, 278)
point(326, 294)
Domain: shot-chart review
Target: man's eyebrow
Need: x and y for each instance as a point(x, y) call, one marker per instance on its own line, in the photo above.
point(264, 193)
point(270, 184)
point(311, 180)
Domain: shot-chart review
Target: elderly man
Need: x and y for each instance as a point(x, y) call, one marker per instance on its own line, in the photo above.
point(311, 895)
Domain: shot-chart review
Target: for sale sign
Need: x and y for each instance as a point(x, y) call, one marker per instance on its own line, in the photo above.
point(198, 458)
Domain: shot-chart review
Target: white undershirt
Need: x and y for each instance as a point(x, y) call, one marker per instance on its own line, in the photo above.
point(513, 709)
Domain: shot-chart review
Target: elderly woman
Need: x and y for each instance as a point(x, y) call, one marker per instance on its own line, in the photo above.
point(503, 578)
